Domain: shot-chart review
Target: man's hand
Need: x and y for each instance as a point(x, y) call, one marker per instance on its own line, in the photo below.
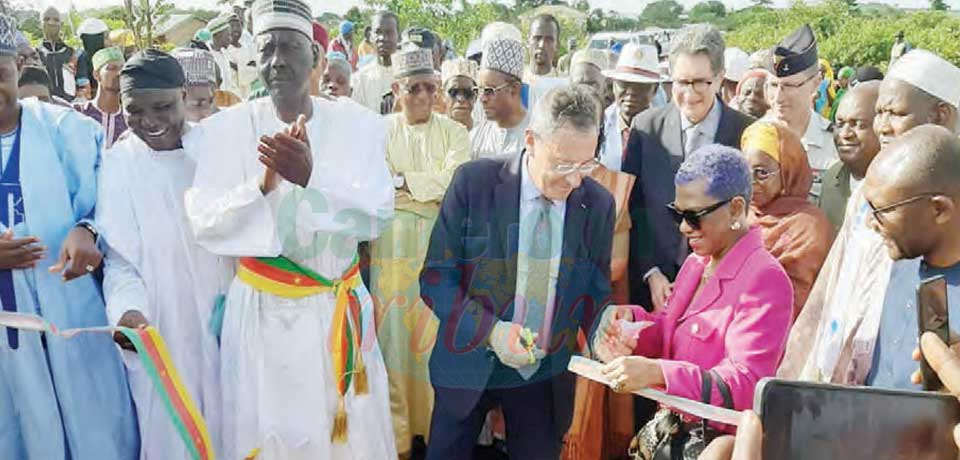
point(660, 290)
point(79, 255)
point(508, 343)
point(20, 253)
point(946, 363)
point(609, 343)
point(132, 319)
point(288, 153)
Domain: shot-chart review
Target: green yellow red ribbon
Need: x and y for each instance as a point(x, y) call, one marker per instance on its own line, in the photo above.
point(155, 357)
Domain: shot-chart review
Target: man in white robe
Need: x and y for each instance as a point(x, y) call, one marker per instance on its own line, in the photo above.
point(155, 272)
point(291, 184)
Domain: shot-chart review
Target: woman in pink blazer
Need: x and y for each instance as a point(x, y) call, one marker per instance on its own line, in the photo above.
point(731, 306)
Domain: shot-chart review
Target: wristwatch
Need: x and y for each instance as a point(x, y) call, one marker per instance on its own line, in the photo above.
point(88, 227)
point(399, 181)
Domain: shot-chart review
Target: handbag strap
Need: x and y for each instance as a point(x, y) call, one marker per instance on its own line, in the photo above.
point(706, 393)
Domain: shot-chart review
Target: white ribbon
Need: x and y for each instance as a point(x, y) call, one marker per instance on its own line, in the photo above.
point(592, 370)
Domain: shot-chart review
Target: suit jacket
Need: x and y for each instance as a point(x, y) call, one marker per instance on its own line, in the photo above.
point(737, 325)
point(469, 279)
point(835, 193)
point(654, 154)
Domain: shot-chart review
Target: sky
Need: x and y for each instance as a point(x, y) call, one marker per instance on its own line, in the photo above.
point(631, 7)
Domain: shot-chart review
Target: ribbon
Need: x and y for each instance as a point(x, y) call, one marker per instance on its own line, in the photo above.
point(592, 370)
point(155, 357)
point(284, 278)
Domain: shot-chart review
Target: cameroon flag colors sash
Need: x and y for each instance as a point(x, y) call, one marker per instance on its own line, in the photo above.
point(153, 353)
point(284, 278)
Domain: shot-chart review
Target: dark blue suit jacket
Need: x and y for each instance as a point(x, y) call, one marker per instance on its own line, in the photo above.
point(470, 273)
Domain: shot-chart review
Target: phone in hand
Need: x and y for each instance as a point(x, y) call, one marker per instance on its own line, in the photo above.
point(812, 421)
point(932, 316)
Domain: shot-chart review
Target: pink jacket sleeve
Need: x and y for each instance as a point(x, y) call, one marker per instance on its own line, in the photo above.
point(753, 344)
point(650, 343)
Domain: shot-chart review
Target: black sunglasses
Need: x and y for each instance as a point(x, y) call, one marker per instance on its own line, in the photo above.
point(693, 217)
point(466, 93)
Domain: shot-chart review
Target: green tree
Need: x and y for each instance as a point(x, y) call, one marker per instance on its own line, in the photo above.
point(581, 5)
point(711, 11)
point(764, 3)
point(938, 5)
point(143, 16)
point(662, 13)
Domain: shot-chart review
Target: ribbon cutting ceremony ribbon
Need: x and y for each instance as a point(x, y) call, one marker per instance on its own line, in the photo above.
point(153, 353)
point(592, 370)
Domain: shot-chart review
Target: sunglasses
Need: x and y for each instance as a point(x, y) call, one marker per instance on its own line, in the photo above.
point(693, 217)
point(462, 93)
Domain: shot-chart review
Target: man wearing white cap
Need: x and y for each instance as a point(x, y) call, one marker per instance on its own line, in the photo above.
point(501, 70)
point(423, 151)
point(919, 88)
point(93, 36)
point(289, 185)
point(586, 68)
point(459, 78)
point(635, 79)
point(834, 337)
point(737, 63)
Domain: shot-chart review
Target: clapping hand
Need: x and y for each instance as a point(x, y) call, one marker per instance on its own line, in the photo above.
point(286, 154)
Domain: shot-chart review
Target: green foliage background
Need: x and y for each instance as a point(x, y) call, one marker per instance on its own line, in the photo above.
point(848, 33)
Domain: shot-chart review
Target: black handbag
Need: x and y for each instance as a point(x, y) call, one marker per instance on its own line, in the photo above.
point(668, 437)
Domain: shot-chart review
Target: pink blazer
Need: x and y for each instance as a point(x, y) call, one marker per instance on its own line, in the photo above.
point(737, 326)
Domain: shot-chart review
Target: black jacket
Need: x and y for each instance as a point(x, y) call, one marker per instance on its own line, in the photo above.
point(654, 154)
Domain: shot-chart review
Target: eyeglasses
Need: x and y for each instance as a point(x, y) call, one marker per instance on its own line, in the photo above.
point(878, 212)
point(489, 91)
point(779, 85)
point(763, 174)
point(464, 93)
point(693, 217)
point(584, 168)
point(418, 88)
point(698, 86)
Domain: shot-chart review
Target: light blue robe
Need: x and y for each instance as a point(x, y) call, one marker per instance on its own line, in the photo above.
point(68, 399)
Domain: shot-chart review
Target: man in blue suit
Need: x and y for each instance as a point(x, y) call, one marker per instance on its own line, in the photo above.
point(518, 264)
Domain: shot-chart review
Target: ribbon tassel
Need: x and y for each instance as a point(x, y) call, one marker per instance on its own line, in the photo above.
point(339, 433)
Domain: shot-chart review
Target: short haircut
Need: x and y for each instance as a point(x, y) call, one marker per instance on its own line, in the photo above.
point(385, 15)
point(723, 168)
point(34, 76)
point(341, 65)
point(924, 159)
point(575, 105)
point(700, 39)
point(545, 17)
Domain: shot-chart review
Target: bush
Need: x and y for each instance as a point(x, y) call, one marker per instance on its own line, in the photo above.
point(845, 34)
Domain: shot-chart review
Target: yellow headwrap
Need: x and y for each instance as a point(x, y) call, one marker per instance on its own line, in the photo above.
point(762, 136)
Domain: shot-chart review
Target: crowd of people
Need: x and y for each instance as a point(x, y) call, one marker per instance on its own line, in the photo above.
point(371, 248)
